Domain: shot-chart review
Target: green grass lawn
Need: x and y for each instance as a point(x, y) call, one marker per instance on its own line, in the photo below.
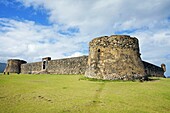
point(69, 93)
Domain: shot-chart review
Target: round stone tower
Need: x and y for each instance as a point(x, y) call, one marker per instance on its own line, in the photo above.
point(14, 66)
point(114, 57)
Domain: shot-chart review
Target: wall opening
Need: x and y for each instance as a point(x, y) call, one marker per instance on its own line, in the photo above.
point(98, 54)
point(44, 64)
point(98, 50)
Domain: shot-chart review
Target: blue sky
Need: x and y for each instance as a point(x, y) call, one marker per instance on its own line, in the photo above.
point(32, 29)
point(15, 10)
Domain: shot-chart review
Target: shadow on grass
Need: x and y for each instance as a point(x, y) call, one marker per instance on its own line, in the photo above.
point(153, 79)
point(118, 80)
point(100, 80)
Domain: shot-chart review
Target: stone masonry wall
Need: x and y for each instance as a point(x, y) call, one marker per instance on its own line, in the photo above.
point(76, 65)
point(31, 68)
point(153, 70)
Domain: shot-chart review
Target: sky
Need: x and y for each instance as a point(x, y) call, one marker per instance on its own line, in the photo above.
point(32, 29)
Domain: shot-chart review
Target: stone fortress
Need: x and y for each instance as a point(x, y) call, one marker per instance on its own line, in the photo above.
point(110, 57)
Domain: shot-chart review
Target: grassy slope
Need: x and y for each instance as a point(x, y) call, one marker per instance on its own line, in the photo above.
point(65, 93)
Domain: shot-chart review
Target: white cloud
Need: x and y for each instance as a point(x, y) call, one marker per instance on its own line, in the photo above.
point(154, 46)
point(98, 17)
point(76, 54)
point(31, 42)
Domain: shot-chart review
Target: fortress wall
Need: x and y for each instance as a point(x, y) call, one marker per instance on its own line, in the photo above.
point(110, 57)
point(153, 70)
point(76, 65)
point(30, 68)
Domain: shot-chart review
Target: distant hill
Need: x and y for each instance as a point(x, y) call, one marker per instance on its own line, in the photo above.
point(2, 67)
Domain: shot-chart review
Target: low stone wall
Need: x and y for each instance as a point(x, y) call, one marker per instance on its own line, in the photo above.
point(76, 65)
point(31, 68)
point(153, 70)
